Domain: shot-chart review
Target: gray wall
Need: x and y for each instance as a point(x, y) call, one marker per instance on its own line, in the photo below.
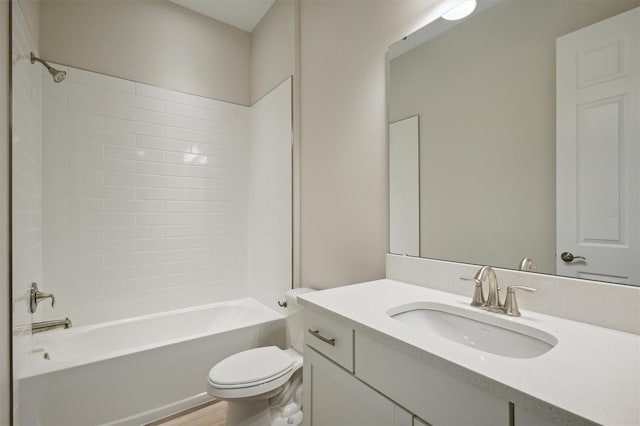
point(344, 134)
point(273, 48)
point(31, 12)
point(485, 93)
point(155, 42)
point(5, 277)
point(275, 55)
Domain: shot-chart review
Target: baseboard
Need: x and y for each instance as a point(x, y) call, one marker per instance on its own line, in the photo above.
point(166, 412)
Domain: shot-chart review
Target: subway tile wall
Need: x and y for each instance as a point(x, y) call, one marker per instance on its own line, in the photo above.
point(146, 198)
point(27, 190)
point(270, 221)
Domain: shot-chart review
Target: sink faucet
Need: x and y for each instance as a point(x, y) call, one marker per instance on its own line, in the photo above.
point(493, 300)
point(492, 303)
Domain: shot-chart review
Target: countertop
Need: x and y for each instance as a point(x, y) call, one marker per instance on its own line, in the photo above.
point(593, 373)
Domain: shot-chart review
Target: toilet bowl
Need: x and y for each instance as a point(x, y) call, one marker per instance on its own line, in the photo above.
point(263, 386)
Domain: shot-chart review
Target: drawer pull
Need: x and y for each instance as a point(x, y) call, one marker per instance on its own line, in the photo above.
point(316, 333)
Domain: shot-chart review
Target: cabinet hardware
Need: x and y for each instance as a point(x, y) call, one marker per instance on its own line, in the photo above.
point(316, 333)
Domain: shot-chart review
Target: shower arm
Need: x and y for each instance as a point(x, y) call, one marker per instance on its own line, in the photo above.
point(35, 59)
point(57, 75)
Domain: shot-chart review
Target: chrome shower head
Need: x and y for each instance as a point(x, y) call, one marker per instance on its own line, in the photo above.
point(57, 75)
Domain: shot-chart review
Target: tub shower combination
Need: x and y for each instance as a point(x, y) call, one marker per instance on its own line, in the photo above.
point(188, 216)
point(133, 371)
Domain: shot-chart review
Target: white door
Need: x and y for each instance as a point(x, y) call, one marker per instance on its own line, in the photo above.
point(597, 151)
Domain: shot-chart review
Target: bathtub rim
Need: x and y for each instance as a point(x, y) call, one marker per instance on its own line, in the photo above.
point(42, 367)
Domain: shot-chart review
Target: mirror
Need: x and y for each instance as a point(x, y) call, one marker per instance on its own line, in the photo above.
point(527, 115)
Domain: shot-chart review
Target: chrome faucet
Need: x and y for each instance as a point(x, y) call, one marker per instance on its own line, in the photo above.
point(510, 302)
point(493, 300)
point(39, 327)
point(492, 303)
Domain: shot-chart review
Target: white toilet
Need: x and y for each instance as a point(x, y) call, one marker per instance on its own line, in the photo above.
point(263, 386)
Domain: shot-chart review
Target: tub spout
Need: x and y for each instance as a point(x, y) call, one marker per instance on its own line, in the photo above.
point(39, 327)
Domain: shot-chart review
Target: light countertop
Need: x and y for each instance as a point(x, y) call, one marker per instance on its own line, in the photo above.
point(593, 373)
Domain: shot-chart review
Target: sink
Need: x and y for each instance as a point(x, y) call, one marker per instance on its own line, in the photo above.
point(478, 330)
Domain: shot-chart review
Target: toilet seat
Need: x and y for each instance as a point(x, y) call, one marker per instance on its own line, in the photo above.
point(250, 368)
point(251, 373)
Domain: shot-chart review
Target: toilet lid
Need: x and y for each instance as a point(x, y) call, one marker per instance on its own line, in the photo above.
point(251, 366)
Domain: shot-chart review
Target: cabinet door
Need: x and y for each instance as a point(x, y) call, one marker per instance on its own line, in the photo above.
point(524, 417)
point(333, 396)
point(417, 421)
point(432, 394)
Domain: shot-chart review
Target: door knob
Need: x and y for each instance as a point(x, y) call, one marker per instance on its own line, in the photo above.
point(569, 257)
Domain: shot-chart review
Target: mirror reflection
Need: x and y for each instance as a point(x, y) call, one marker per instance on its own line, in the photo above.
point(527, 134)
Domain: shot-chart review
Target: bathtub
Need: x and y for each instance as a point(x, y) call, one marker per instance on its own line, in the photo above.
point(134, 371)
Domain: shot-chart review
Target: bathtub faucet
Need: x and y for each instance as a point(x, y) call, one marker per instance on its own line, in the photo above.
point(36, 296)
point(39, 327)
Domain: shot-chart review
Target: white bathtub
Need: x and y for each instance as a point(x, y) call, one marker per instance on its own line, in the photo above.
point(133, 371)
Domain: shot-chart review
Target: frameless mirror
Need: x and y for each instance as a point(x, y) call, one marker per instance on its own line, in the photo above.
point(526, 116)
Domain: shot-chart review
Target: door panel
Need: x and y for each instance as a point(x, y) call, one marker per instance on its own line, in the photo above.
point(404, 187)
point(597, 150)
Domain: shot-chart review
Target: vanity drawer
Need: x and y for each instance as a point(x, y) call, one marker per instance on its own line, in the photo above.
point(434, 395)
point(330, 337)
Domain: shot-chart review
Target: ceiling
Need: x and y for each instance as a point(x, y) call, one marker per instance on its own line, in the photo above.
point(243, 14)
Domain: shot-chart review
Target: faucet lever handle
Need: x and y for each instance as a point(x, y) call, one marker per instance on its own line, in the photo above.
point(36, 296)
point(513, 288)
point(40, 296)
point(478, 295)
point(510, 303)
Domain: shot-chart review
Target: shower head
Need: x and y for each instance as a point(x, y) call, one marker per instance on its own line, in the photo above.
point(57, 75)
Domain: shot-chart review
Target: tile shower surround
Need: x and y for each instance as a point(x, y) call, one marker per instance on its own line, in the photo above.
point(147, 196)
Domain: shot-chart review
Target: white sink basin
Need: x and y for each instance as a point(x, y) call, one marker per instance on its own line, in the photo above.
point(479, 330)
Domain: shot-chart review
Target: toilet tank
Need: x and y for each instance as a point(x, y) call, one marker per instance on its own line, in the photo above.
point(295, 318)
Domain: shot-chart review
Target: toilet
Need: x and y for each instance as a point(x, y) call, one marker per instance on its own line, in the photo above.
point(263, 386)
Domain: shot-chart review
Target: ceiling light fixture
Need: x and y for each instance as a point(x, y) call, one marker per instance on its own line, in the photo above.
point(462, 10)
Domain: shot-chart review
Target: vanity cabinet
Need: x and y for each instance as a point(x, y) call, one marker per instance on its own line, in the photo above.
point(330, 337)
point(352, 379)
point(430, 393)
point(524, 417)
point(421, 363)
point(419, 422)
point(335, 397)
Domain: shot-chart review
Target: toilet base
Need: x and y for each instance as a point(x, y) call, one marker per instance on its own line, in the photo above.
point(284, 408)
point(248, 413)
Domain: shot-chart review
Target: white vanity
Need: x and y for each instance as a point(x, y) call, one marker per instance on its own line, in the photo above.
point(367, 365)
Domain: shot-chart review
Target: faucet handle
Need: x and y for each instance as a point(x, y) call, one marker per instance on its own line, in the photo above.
point(513, 288)
point(478, 295)
point(36, 296)
point(510, 303)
